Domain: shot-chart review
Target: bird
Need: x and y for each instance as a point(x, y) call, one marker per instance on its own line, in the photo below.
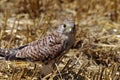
point(47, 49)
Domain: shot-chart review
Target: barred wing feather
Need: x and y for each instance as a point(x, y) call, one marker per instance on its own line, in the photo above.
point(44, 49)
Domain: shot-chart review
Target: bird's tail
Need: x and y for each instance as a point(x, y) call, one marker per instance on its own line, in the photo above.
point(3, 52)
point(8, 54)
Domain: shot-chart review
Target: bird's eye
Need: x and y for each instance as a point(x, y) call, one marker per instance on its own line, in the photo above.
point(64, 25)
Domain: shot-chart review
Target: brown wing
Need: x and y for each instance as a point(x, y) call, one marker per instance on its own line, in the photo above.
point(50, 39)
point(40, 53)
point(46, 48)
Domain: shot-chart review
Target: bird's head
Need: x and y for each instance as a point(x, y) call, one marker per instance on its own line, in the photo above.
point(67, 27)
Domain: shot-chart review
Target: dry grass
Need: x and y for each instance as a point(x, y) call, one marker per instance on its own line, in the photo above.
point(95, 54)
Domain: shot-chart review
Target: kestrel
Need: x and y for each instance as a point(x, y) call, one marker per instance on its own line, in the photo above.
point(46, 49)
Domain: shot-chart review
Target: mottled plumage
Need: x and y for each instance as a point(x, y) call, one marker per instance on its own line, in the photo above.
point(47, 48)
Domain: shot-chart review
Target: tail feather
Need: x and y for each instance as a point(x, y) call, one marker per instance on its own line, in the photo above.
point(3, 52)
point(11, 53)
point(8, 54)
point(11, 56)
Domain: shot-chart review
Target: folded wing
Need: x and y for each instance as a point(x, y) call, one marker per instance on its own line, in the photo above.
point(44, 49)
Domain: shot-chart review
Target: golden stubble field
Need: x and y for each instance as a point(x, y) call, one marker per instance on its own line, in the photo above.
point(95, 54)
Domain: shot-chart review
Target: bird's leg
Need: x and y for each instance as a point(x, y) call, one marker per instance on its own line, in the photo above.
point(47, 68)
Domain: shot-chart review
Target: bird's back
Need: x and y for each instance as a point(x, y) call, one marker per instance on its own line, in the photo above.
point(44, 49)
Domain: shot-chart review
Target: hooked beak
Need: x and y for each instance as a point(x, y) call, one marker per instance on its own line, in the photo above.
point(68, 29)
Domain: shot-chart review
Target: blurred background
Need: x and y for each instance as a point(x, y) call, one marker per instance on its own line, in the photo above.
point(96, 52)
